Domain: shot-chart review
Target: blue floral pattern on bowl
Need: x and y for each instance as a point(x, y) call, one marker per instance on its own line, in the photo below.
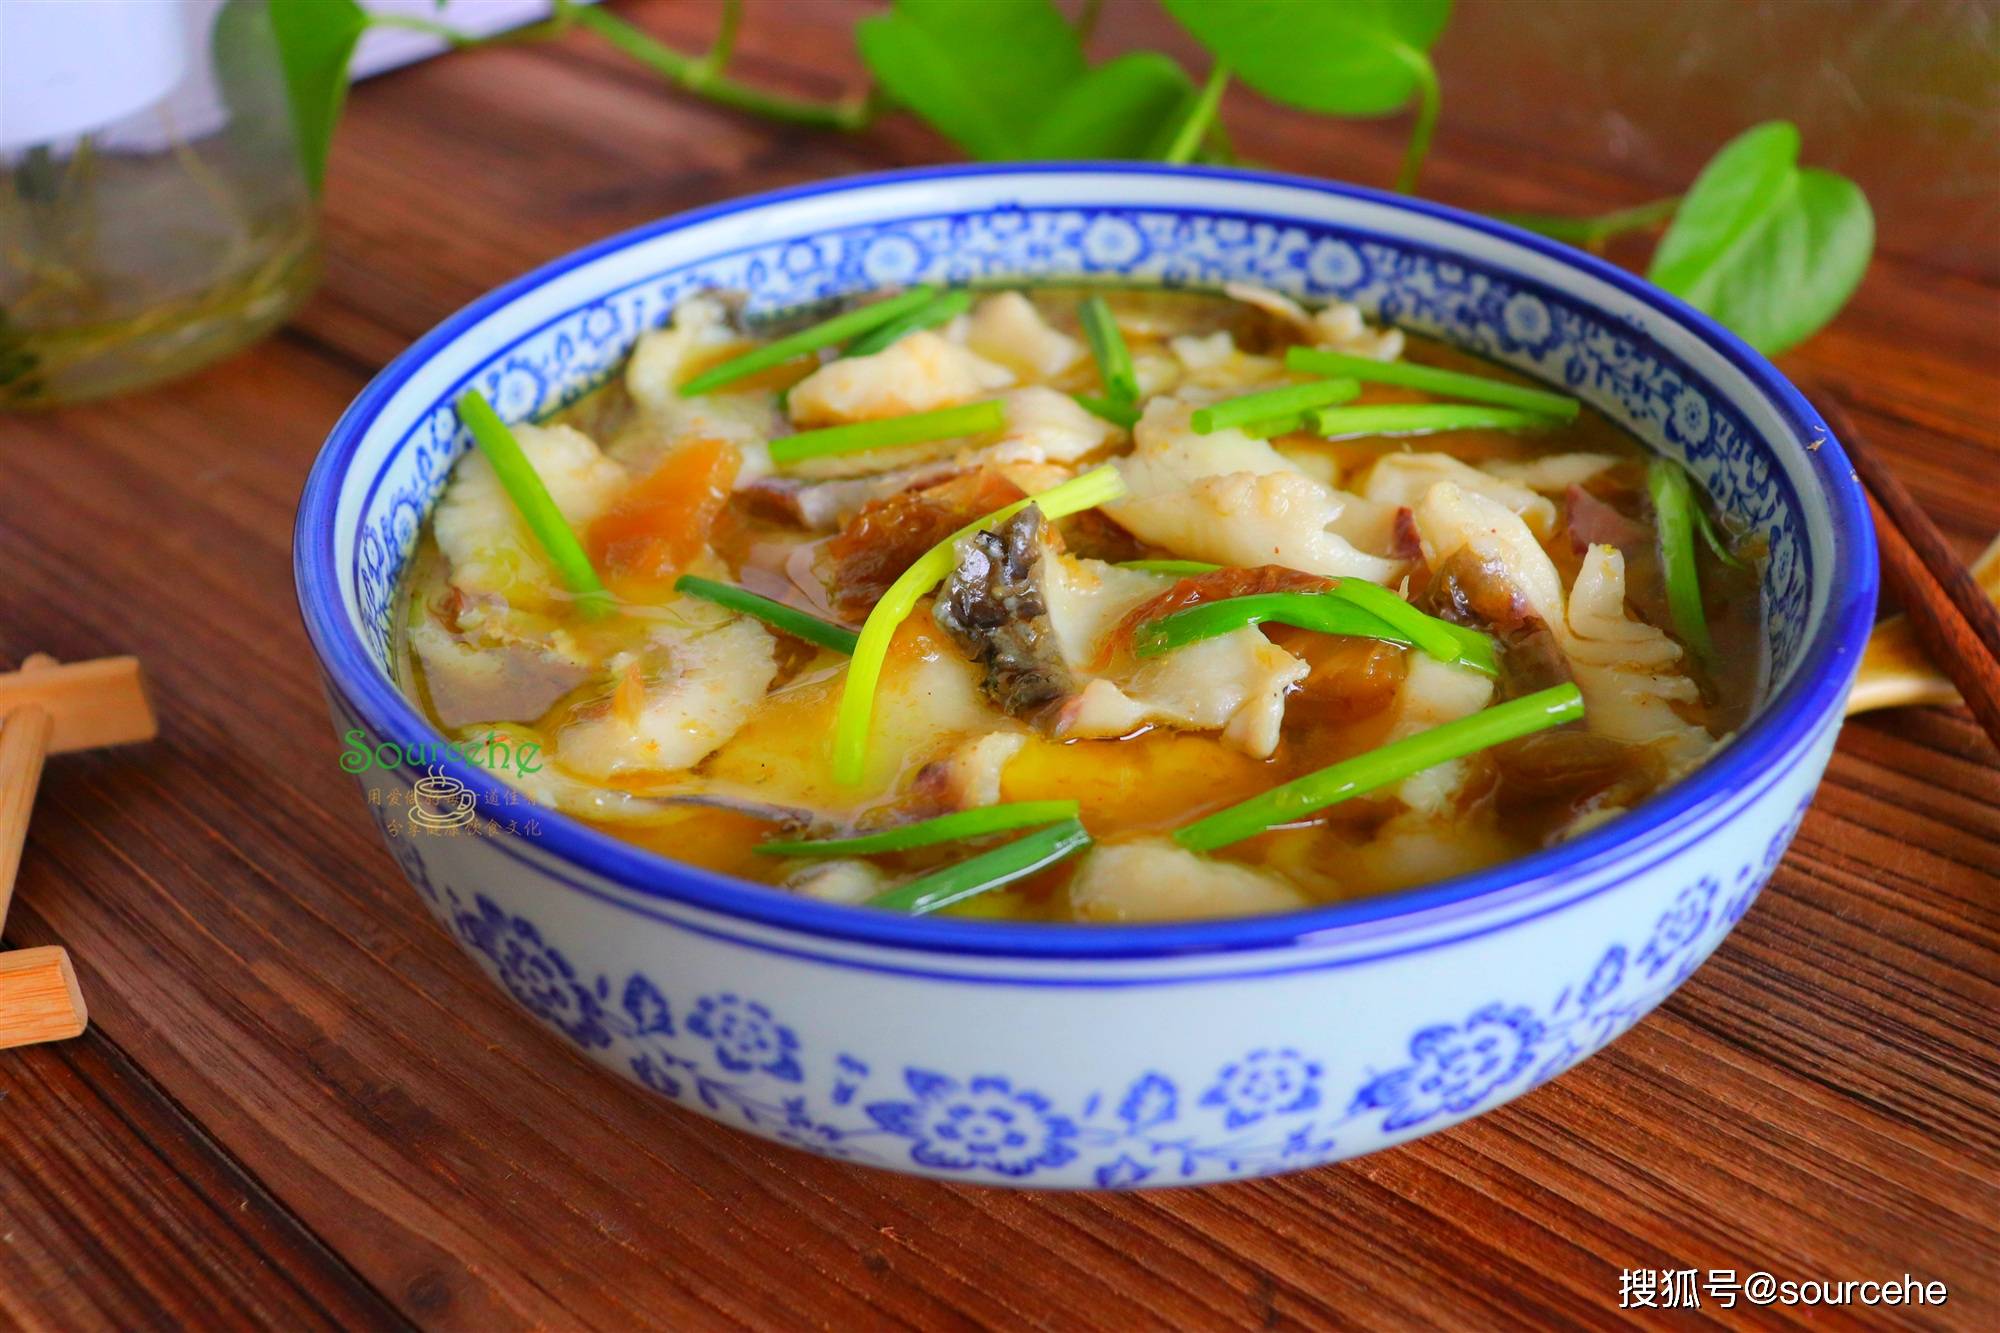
point(1269, 1109)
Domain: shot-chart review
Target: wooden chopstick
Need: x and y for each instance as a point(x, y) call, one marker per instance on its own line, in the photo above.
point(1950, 615)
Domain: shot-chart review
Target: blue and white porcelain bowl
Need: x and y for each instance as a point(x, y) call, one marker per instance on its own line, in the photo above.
point(1105, 1056)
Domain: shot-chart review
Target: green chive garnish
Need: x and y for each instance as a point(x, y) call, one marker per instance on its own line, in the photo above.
point(1118, 414)
point(857, 700)
point(790, 619)
point(988, 870)
point(916, 428)
point(1107, 344)
point(532, 499)
point(1264, 430)
point(1429, 633)
point(1183, 568)
point(1423, 419)
point(1320, 612)
point(1380, 767)
point(1673, 504)
point(1274, 405)
point(942, 310)
point(826, 333)
point(1448, 383)
point(1717, 543)
point(957, 826)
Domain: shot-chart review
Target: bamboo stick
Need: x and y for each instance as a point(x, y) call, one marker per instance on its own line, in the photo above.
point(1895, 673)
point(101, 702)
point(24, 741)
point(47, 708)
point(39, 998)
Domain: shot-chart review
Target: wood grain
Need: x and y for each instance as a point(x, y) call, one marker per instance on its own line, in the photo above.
point(1822, 1099)
point(132, 1217)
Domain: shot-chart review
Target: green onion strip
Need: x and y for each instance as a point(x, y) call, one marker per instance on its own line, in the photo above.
point(1320, 612)
point(864, 674)
point(1118, 414)
point(1447, 383)
point(1264, 430)
point(957, 826)
point(1114, 359)
point(534, 503)
point(1673, 505)
point(797, 623)
point(1717, 543)
point(1423, 419)
point(946, 423)
point(1183, 568)
point(826, 333)
point(1380, 767)
point(1434, 636)
point(1274, 406)
point(942, 310)
point(988, 870)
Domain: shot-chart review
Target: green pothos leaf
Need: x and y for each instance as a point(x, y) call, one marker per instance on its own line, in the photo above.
point(316, 39)
point(983, 74)
point(1121, 108)
point(1770, 248)
point(1342, 57)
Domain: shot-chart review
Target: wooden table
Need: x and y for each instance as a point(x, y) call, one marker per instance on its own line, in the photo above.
point(299, 1105)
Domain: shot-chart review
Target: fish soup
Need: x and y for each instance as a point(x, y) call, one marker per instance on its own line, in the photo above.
point(1075, 605)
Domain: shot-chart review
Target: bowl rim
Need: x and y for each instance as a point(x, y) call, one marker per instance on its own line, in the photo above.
point(1770, 745)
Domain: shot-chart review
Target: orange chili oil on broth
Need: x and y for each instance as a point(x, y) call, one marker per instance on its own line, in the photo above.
point(691, 495)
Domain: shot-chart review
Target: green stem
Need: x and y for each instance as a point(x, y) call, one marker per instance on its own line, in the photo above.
point(1430, 99)
point(699, 75)
point(460, 39)
point(724, 44)
point(1218, 148)
point(693, 75)
point(1592, 233)
point(1086, 20)
point(1200, 116)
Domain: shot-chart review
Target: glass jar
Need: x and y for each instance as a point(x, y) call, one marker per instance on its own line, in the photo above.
point(154, 214)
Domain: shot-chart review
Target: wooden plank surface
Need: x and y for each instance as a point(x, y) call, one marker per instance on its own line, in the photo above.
point(300, 1106)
